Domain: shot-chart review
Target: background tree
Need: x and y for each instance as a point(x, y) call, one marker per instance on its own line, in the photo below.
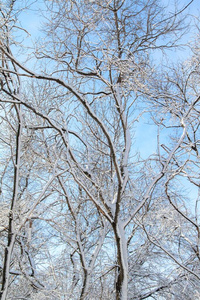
point(114, 216)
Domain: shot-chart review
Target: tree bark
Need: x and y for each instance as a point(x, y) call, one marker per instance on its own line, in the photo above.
point(11, 225)
point(122, 261)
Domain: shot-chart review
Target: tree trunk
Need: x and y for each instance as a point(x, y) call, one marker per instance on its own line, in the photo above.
point(6, 267)
point(11, 227)
point(84, 290)
point(122, 261)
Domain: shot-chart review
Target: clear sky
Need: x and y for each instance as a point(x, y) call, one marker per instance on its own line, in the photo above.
point(146, 135)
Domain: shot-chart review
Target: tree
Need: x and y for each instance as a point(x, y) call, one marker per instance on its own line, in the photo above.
point(74, 121)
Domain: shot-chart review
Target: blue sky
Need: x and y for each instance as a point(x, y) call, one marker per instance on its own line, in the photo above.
point(146, 135)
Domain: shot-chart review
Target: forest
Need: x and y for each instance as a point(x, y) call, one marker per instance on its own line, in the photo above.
point(99, 150)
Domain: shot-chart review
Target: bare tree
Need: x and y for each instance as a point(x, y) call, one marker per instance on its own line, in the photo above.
point(75, 118)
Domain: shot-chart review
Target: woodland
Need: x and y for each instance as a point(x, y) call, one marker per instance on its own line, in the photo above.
point(99, 150)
